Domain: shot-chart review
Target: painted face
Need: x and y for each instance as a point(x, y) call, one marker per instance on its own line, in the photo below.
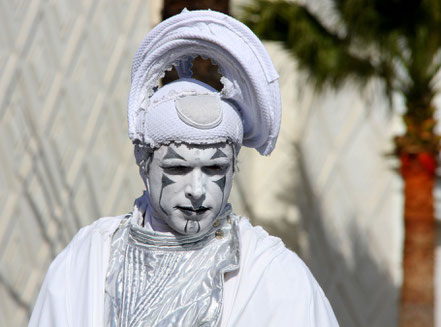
point(189, 185)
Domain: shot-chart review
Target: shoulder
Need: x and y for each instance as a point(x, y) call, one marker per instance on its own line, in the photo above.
point(263, 254)
point(275, 282)
point(89, 239)
point(260, 251)
point(103, 226)
point(255, 240)
point(72, 272)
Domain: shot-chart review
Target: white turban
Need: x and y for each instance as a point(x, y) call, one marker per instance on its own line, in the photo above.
point(246, 111)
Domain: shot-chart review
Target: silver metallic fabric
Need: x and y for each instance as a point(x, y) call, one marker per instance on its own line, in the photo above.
point(162, 279)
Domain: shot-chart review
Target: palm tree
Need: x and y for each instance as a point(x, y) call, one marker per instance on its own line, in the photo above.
point(398, 42)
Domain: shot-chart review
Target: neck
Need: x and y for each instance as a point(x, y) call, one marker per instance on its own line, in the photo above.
point(155, 224)
point(147, 218)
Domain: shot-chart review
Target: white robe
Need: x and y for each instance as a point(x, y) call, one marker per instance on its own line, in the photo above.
point(272, 287)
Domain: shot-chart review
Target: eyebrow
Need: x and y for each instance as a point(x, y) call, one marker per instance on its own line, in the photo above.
point(219, 154)
point(171, 154)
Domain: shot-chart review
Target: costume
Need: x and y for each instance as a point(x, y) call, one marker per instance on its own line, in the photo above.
point(182, 258)
point(272, 287)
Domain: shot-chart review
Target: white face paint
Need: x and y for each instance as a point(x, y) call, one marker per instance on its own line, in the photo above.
point(189, 185)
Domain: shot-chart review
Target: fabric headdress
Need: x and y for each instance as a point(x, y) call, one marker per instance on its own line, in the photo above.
point(247, 110)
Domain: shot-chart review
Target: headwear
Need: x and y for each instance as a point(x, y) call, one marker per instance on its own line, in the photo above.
point(250, 84)
point(190, 111)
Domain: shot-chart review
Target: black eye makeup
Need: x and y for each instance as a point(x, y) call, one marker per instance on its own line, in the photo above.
point(219, 169)
point(177, 169)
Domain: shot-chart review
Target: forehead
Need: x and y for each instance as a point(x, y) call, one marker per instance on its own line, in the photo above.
point(189, 152)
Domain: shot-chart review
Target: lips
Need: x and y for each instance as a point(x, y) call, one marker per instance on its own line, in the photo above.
point(192, 211)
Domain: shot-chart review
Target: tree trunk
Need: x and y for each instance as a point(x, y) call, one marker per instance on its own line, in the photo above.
point(417, 297)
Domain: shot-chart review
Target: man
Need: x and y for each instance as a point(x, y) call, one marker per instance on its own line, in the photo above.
point(182, 258)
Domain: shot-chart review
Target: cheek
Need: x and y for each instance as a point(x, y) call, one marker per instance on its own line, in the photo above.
point(159, 185)
point(155, 186)
point(220, 188)
point(228, 186)
point(170, 192)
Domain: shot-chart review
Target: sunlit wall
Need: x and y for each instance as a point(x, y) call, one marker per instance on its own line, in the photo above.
point(65, 158)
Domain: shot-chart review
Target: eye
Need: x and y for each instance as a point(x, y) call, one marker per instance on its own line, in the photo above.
point(215, 169)
point(177, 170)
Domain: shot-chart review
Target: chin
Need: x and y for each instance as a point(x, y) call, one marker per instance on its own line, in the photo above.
point(190, 227)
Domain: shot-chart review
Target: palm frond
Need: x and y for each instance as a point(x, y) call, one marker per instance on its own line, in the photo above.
point(326, 56)
point(375, 19)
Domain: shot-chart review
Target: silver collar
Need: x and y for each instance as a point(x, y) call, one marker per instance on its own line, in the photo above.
point(163, 279)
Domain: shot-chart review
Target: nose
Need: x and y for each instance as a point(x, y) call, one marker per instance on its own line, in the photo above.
point(195, 189)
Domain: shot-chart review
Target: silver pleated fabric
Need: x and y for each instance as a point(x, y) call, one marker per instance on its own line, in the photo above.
point(161, 279)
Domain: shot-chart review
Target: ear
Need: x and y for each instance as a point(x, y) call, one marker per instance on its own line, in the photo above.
point(236, 149)
point(143, 157)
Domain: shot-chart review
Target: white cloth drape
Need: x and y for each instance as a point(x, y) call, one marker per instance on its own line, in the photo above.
point(273, 287)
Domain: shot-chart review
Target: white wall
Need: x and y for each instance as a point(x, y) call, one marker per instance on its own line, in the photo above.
point(65, 158)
